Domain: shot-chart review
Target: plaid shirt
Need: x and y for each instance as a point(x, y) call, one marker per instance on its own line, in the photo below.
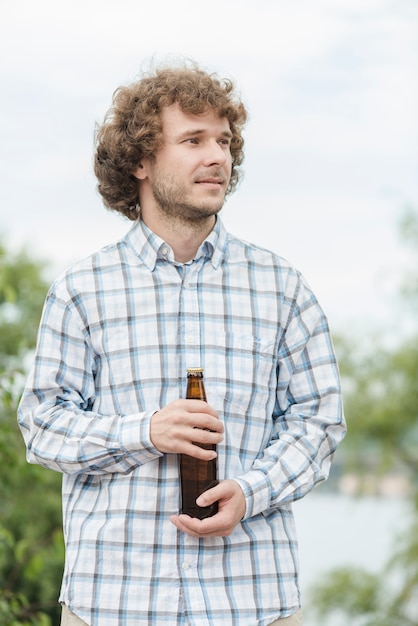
point(118, 331)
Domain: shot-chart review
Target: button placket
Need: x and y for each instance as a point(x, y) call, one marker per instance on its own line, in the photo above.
point(190, 315)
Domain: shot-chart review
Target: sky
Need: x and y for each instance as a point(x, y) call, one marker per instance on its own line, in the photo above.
point(331, 144)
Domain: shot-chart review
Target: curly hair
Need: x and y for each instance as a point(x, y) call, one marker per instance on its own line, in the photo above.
point(132, 127)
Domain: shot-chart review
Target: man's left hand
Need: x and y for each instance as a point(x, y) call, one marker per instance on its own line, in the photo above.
point(231, 510)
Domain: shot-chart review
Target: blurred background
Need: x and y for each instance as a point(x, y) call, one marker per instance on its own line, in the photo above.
point(330, 183)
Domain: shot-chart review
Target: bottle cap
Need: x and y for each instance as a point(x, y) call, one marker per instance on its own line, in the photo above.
point(194, 370)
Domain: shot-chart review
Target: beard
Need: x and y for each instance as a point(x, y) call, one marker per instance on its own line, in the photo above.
point(175, 203)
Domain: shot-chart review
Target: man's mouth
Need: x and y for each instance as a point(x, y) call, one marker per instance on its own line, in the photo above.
point(210, 181)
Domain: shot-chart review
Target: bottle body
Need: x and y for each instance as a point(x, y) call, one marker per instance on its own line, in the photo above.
point(196, 475)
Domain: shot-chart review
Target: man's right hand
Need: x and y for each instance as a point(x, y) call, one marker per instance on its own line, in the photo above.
point(182, 424)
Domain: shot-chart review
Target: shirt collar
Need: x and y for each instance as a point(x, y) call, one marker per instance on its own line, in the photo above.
point(149, 247)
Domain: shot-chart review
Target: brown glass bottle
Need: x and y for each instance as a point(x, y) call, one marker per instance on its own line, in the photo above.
point(196, 475)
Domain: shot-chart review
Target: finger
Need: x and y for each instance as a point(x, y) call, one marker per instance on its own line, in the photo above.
point(204, 436)
point(197, 451)
point(199, 406)
point(182, 523)
point(205, 422)
point(197, 528)
point(208, 497)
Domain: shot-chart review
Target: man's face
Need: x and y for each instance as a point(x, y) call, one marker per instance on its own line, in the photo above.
point(190, 174)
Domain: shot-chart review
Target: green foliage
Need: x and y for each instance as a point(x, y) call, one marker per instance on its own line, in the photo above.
point(366, 599)
point(409, 233)
point(381, 402)
point(22, 292)
point(351, 590)
point(386, 598)
point(14, 611)
point(31, 543)
point(381, 391)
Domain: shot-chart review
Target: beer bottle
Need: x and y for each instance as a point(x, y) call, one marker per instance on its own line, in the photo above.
point(197, 475)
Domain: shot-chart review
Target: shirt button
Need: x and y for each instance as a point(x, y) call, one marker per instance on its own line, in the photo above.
point(186, 285)
point(189, 338)
point(164, 251)
point(185, 565)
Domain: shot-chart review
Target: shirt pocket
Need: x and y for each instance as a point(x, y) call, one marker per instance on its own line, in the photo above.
point(243, 371)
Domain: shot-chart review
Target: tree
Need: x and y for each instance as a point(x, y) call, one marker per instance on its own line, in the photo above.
point(382, 410)
point(31, 545)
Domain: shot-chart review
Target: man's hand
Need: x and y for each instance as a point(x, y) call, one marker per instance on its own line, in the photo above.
point(181, 423)
point(231, 504)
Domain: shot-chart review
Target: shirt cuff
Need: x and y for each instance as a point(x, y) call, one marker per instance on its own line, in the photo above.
point(135, 437)
point(257, 492)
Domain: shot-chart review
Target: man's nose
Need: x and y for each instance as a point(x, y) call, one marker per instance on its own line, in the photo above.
point(215, 154)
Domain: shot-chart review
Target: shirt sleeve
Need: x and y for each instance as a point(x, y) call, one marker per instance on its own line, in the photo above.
point(308, 419)
point(60, 428)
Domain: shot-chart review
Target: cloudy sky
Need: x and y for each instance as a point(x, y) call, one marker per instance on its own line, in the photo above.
point(331, 145)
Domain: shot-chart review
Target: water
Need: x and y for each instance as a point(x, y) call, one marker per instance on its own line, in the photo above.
point(336, 530)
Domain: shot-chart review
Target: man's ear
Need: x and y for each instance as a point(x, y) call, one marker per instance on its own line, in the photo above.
point(140, 172)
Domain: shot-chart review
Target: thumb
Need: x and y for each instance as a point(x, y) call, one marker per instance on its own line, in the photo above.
point(209, 496)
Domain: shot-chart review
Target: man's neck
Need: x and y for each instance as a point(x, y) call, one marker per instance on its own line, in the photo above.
point(184, 238)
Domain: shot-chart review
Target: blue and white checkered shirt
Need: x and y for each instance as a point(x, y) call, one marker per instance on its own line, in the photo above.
point(118, 331)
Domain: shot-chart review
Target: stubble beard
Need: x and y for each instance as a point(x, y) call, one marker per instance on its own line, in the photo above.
point(173, 206)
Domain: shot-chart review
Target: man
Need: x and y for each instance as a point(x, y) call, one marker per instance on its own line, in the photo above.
point(103, 402)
